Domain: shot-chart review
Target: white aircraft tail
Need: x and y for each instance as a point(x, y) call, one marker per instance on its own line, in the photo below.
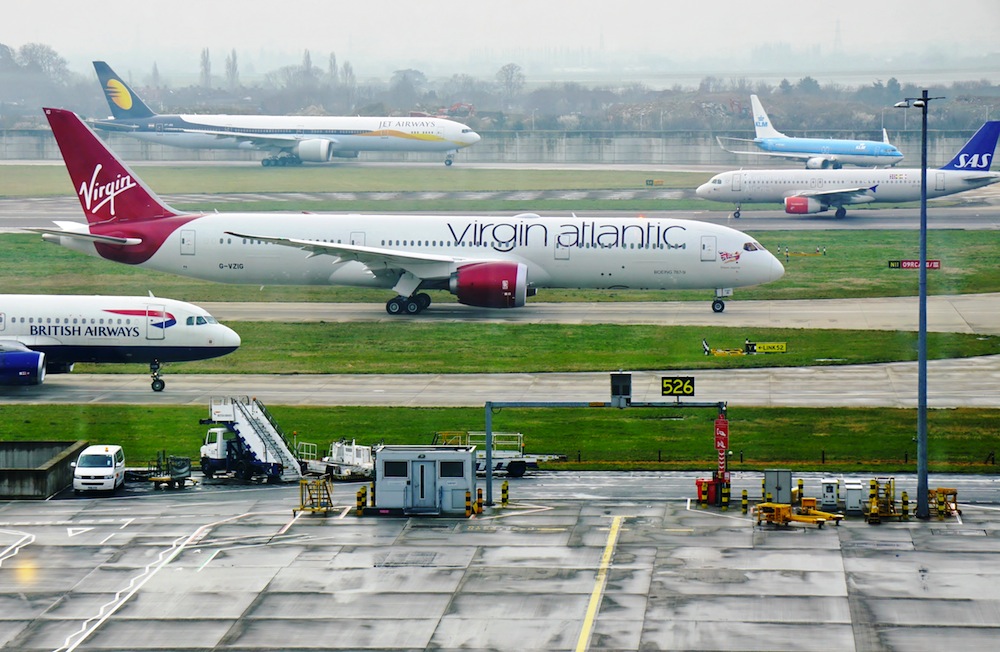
point(761, 123)
point(885, 136)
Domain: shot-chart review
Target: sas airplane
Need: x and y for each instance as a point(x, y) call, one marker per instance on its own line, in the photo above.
point(491, 262)
point(289, 139)
point(42, 334)
point(815, 191)
point(816, 153)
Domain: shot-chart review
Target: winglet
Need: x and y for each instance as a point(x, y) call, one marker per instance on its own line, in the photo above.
point(108, 190)
point(977, 154)
point(761, 123)
point(124, 102)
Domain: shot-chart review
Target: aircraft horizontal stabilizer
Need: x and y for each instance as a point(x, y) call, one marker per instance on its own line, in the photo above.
point(84, 235)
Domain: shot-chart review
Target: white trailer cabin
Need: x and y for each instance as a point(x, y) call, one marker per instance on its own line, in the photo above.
point(424, 479)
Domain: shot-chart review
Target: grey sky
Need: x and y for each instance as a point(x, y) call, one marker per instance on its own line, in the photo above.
point(449, 38)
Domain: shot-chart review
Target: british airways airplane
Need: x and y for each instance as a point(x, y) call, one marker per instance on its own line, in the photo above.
point(290, 139)
point(817, 153)
point(815, 191)
point(490, 262)
point(42, 334)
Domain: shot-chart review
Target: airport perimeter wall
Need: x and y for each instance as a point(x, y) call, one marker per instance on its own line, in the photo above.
point(696, 148)
point(36, 469)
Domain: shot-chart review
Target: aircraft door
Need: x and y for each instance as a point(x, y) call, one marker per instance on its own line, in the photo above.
point(737, 179)
point(187, 242)
point(3, 322)
point(423, 485)
point(358, 238)
point(939, 182)
point(708, 244)
point(156, 322)
point(560, 252)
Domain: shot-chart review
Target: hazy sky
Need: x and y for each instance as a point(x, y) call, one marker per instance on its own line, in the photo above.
point(452, 37)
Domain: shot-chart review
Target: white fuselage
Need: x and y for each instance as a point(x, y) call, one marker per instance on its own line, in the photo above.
point(893, 185)
point(78, 328)
point(568, 252)
point(271, 132)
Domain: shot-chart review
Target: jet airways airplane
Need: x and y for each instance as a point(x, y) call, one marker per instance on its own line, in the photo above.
point(290, 139)
point(49, 333)
point(493, 262)
point(815, 191)
point(817, 153)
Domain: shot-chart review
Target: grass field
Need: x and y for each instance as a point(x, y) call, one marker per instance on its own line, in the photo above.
point(830, 440)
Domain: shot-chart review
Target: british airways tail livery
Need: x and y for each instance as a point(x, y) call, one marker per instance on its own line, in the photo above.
point(815, 191)
point(290, 140)
point(816, 153)
point(488, 261)
point(42, 334)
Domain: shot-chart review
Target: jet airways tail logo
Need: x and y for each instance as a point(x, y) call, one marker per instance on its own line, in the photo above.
point(974, 161)
point(117, 93)
point(95, 195)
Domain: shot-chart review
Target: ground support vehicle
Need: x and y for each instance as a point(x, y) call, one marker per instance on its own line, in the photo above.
point(782, 514)
point(347, 460)
point(246, 442)
point(99, 468)
point(170, 470)
point(508, 451)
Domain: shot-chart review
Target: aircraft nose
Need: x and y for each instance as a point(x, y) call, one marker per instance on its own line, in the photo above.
point(775, 270)
point(471, 138)
point(703, 190)
point(228, 338)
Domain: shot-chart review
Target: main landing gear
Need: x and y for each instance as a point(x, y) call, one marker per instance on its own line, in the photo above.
point(281, 161)
point(841, 213)
point(408, 305)
point(718, 305)
point(154, 372)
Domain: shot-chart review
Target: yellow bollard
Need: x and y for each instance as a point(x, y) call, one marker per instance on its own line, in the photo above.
point(504, 493)
point(468, 504)
point(361, 504)
point(763, 495)
point(745, 502)
point(801, 483)
point(767, 497)
point(703, 495)
point(940, 506)
point(906, 507)
point(479, 500)
point(725, 497)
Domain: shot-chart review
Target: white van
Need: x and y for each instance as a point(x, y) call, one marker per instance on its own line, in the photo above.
point(99, 468)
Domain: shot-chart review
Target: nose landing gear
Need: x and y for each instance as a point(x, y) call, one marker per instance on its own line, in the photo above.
point(154, 372)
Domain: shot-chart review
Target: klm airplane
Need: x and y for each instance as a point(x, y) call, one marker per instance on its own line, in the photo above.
point(817, 153)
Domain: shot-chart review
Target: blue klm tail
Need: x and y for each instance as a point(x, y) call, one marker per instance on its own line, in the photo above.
point(124, 102)
point(977, 154)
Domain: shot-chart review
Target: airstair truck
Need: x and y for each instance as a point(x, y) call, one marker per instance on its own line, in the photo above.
point(246, 442)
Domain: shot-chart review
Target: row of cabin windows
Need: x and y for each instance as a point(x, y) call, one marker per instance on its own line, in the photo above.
point(444, 243)
point(69, 321)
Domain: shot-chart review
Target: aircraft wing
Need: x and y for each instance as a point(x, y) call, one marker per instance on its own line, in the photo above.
point(9, 345)
point(378, 260)
point(81, 232)
point(259, 140)
point(112, 125)
point(798, 156)
point(838, 196)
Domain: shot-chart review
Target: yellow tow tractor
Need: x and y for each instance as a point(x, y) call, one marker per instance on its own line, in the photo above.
point(783, 514)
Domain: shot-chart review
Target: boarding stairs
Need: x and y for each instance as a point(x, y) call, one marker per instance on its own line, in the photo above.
point(262, 434)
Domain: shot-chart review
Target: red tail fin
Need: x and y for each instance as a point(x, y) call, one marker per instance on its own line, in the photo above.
point(109, 191)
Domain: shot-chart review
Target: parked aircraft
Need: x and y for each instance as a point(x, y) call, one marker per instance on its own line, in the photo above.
point(494, 262)
point(817, 153)
point(42, 334)
point(290, 139)
point(815, 191)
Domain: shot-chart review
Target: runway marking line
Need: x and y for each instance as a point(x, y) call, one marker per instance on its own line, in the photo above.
point(601, 581)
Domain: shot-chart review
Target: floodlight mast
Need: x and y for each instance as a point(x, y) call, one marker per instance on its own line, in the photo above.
point(923, 506)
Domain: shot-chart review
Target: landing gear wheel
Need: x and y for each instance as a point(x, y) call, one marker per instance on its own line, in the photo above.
point(841, 213)
point(412, 306)
point(718, 305)
point(448, 162)
point(267, 162)
point(395, 306)
point(154, 372)
point(158, 385)
point(423, 299)
point(736, 214)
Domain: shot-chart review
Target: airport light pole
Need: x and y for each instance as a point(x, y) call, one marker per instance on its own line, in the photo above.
point(923, 507)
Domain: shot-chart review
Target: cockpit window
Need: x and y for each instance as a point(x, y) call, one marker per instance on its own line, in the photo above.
point(200, 320)
point(751, 246)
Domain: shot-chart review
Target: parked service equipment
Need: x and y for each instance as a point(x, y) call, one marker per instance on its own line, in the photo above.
point(830, 493)
point(423, 480)
point(782, 514)
point(246, 442)
point(854, 497)
point(171, 470)
point(99, 468)
point(347, 460)
point(778, 485)
point(508, 451)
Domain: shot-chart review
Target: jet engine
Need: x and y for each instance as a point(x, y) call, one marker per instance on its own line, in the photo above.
point(22, 367)
point(803, 205)
point(822, 163)
point(491, 285)
point(314, 150)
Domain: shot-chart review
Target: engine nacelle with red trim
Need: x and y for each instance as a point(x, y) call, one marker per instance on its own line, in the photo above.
point(314, 150)
point(803, 205)
point(491, 285)
point(22, 367)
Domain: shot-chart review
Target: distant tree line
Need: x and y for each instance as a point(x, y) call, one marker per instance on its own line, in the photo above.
point(35, 75)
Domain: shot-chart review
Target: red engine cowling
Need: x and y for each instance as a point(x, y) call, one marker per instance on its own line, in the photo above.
point(803, 205)
point(491, 285)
